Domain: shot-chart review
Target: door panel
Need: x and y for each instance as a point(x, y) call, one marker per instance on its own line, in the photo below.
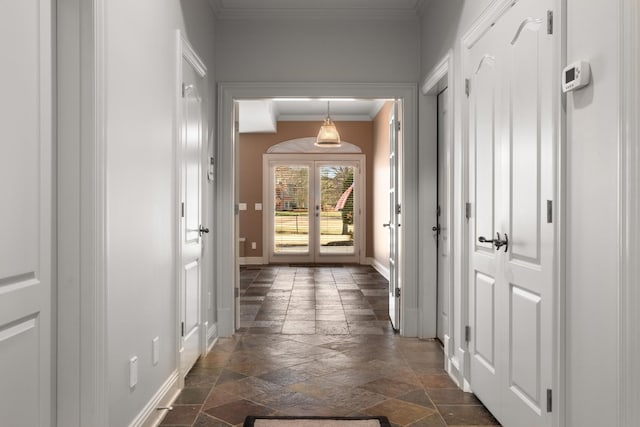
point(484, 321)
point(192, 135)
point(484, 292)
point(26, 216)
point(522, 125)
point(531, 182)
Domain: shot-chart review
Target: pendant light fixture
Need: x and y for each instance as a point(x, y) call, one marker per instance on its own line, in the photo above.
point(328, 135)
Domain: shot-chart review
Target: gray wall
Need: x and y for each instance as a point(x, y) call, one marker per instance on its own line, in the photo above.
point(304, 50)
point(140, 140)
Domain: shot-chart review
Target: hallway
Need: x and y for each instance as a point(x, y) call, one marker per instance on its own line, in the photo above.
point(314, 341)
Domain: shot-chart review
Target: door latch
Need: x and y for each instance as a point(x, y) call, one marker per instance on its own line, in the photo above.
point(497, 242)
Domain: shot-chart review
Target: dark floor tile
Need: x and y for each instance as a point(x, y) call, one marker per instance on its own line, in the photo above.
point(389, 387)
point(471, 415)
point(453, 397)
point(438, 381)
point(205, 420)
point(181, 415)
point(193, 395)
point(227, 376)
point(235, 412)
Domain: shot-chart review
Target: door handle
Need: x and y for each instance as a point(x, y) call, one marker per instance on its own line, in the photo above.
point(203, 230)
point(497, 242)
point(436, 228)
point(387, 224)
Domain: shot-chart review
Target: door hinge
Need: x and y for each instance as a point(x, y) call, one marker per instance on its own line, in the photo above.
point(236, 209)
point(236, 292)
point(549, 211)
point(549, 22)
point(549, 400)
point(467, 86)
point(397, 292)
point(467, 333)
point(398, 209)
point(182, 329)
point(398, 126)
point(182, 209)
point(467, 210)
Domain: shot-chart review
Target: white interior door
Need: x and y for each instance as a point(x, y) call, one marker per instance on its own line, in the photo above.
point(191, 227)
point(512, 140)
point(394, 220)
point(314, 209)
point(442, 227)
point(26, 216)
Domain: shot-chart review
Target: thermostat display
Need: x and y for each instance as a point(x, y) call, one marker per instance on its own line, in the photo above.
point(576, 75)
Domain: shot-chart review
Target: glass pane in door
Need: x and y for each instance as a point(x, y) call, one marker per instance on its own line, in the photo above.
point(291, 213)
point(336, 220)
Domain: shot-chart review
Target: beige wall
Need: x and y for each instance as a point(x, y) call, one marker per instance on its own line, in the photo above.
point(253, 145)
point(380, 183)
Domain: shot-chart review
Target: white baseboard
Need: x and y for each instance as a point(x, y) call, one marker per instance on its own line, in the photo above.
point(251, 260)
point(212, 336)
point(150, 416)
point(380, 268)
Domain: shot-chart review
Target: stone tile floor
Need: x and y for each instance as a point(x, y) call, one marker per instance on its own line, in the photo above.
point(317, 341)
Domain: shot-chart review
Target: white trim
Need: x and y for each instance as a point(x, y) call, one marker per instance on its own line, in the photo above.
point(485, 21)
point(94, 398)
point(380, 268)
point(430, 82)
point(212, 336)
point(629, 230)
point(252, 260)
point(430, 89)
point(164, 397)
point(227, 243)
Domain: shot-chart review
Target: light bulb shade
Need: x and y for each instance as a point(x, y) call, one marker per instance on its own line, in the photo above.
point(328, 135)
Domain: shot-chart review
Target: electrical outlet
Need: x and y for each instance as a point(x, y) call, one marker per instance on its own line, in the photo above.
point(133, 371)
point(155, 357)
point(258, 206)
point(253, 245)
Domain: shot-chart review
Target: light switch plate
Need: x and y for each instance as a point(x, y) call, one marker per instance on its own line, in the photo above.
point(253, 245)
point(258, 206)
point(242, 206)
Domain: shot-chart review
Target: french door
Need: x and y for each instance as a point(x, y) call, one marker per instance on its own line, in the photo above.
point(314, 213)
point(512, 162)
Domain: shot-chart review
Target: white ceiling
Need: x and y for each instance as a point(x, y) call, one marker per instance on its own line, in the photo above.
point(349, 9)
point(262, 115)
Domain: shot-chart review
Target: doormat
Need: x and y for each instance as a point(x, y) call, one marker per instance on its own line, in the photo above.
point(316, 422)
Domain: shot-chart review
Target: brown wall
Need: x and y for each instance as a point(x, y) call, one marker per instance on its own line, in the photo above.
point(253, 145)
point(380, 184)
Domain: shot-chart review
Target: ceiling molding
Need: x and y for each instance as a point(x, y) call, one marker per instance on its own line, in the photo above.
point(318, 9)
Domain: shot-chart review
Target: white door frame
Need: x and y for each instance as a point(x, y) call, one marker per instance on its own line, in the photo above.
point(442, 72)
point(186, 52)
point(360, 200)
point(629, 228)
point(227, 180)
point(468, 40)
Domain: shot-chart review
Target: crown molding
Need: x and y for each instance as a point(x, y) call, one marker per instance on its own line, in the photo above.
point(287, 10)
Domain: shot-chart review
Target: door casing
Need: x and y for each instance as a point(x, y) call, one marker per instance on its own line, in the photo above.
point(227, 180)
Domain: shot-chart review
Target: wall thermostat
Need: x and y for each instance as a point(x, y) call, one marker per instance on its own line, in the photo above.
point(576, 75)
